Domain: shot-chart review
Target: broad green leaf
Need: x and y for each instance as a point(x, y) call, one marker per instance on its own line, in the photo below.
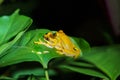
point(82, 43)
point(82, 66)
point(17, 55)
point(27, 50)
point(12, 25)
point(85, 70)
point(30, 71)
point(102, 62)
point(106, 59)
point(6, 46)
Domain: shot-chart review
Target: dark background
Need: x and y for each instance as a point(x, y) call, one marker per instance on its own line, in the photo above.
point(86, 18)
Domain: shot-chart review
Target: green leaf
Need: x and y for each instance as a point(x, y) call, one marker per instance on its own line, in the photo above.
point(82, 66)
point(106, 59)
point(27, 50)
point(6, 46)
point(30, 71)
point(102, 62)
point(12, 25)
point(17, 55)
point(84, 70)
point(82, 43)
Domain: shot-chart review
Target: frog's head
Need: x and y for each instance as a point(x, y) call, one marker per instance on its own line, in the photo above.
point(62, 43)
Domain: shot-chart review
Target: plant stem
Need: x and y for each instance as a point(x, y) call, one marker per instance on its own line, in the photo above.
point(46, 74)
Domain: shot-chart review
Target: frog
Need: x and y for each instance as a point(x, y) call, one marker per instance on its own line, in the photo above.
point(61, 42)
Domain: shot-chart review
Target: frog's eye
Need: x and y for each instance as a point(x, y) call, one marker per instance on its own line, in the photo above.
point(46, 38)
point(54, 35)
point(47, 35)
point(75, 49)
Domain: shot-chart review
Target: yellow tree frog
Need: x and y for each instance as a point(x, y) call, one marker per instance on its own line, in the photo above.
point(61, 42)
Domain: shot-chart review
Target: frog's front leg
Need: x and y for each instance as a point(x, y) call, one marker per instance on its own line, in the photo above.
point(43, 43)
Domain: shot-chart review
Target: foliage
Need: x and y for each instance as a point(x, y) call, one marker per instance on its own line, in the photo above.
point(17, 48)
